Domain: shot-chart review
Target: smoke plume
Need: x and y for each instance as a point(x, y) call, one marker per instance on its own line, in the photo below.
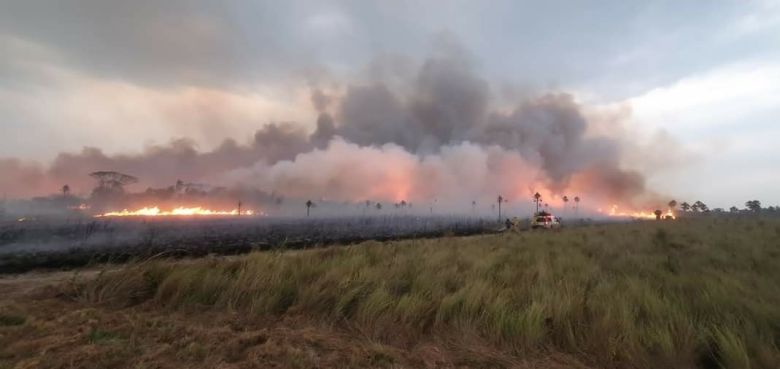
point(436, 137)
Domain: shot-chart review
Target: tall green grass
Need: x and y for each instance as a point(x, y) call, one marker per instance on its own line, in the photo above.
point(690, 293)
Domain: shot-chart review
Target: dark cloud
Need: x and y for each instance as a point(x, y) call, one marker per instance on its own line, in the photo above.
point(179, 42)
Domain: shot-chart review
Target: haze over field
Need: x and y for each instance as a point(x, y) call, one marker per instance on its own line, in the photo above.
point(447, 101)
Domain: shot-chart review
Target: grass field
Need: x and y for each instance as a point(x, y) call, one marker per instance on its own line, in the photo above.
point(698, 293)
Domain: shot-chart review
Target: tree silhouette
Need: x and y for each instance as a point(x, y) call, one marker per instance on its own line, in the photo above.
point(672, 204)
point(111, 183)
point(565, 203)
point(65, 191)
point(500, 200)
point(576, 204)
point(658, 213)
point(473, 207)
point(378, 206)
point(700, 206)
point(309, 205)
point(400, 205)
point(733, 209)
point(753, 205)
point(685, 206)
point(537, 200)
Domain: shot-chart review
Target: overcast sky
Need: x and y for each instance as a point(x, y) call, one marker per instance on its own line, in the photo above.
point(121, 75)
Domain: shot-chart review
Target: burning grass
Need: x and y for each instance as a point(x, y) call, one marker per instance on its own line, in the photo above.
point(691, 293)
point(179, 211)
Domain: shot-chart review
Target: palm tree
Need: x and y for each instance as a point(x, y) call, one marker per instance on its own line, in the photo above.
point(537, 200)
point(65, 191)
point(577, 204)
point(672, 204)
point(309, 205)
point(378, 206)
point(500, 200)
point(565, 202)
point(685, 206)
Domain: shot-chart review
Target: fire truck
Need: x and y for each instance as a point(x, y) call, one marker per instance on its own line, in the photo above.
point(545, 220)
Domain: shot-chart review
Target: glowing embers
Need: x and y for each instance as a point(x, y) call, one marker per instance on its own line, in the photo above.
point(178, 211)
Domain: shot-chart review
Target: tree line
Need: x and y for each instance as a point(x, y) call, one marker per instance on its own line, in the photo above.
point(698, 207)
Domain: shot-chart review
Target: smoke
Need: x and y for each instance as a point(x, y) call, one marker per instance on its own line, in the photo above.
point(345, 171)
point(20, 179)
point(435, 137)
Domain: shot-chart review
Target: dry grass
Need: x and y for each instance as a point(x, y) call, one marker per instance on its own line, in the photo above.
point(698, 293)
point(59, 334)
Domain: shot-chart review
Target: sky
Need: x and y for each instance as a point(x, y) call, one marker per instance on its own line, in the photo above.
point(697, 81)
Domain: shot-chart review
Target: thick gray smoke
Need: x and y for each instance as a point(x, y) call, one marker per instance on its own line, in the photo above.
point(435, 137)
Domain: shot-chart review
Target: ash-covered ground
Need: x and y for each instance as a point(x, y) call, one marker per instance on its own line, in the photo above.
point(69, 242)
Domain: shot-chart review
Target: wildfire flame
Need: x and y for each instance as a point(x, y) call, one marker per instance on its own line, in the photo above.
point(614, 212)
point(178, 211)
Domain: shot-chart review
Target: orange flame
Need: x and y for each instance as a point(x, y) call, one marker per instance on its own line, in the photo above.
point(178, 211)
point(614, 212)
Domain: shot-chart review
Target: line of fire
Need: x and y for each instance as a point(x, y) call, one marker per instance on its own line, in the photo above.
point(110, 198)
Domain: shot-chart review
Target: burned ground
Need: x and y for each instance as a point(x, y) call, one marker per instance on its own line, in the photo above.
point(66, 243)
